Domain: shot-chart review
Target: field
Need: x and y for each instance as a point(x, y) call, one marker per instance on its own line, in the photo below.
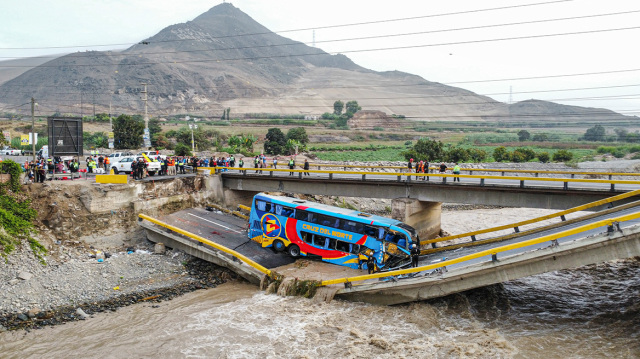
point(389, 144)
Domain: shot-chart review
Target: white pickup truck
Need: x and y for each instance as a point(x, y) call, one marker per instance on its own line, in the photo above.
point(8, 151)
point(124, 165)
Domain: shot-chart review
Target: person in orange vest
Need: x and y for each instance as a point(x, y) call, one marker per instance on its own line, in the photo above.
point(107, 162)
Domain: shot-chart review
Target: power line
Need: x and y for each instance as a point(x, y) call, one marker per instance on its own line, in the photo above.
point(378, 104)
point(338, 52)
point(307, 29)
point(297, 43)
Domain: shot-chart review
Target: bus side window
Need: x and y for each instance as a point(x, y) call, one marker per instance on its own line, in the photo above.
point(380, 232)
point(370, 231)
point(301, 215)
point(342, 246)
point(355, 248)
point(261, 206)
point(279, 209)
point(269, 207)
point(318, 241)
point(312, 218)
point(307, 237)
point(332, 243)
point(359, 228)
point(287, 212)
point(324, 220)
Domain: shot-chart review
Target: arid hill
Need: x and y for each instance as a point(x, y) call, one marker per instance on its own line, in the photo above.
point(224, 59)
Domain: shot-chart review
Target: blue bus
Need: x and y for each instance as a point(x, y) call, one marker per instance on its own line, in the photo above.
point(331, 234)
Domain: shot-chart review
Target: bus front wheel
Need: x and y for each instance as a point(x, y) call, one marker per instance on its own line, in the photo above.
point(294, 251)
point(278, 245)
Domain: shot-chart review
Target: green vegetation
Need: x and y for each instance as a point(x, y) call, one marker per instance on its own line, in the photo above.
point(16, 214)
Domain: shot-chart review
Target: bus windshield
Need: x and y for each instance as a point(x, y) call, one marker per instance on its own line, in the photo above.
point(331, 234)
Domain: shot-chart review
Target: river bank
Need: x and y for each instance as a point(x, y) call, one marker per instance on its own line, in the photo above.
point(33, 295)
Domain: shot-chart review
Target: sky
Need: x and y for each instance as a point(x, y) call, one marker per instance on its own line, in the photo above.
point(579, 52)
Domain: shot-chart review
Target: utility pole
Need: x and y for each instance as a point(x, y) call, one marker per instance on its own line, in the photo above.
point(147, 134)
point(33, 128)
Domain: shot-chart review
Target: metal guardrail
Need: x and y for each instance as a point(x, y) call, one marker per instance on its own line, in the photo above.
point(471, 170)
point(217, 246)
point(516, 225)
point(493, 252)
point(444, 177)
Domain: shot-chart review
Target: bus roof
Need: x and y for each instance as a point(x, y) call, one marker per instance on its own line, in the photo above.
point(327, 209)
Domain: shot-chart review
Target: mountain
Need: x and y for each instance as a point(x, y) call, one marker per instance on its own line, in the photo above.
point(225, 59)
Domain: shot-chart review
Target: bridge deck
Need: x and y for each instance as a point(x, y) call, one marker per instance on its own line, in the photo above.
point(572, 250)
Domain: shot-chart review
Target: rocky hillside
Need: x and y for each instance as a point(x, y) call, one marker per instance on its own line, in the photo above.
point(225, 59)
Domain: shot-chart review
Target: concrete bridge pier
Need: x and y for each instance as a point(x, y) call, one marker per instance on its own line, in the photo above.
point(424, 216)
point(230, 197)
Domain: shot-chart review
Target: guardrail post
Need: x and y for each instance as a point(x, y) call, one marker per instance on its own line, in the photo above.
point(318, 168)
point(270, 173)
point(300, 175)
point(517, 229)
point(330, 176)
point(473, 238)
point(364, 177)
point(444, 179)
point(610, 177)
point(563, 218)
point(408, 178)
point(344, 168)
point(433, 245)
point(521, 183)
point(573, 175)
point(494, 257)
point(502, 173)
point(537, 174)
point(613, 187)
point(481, 181)
point(400, 178)
point(566, 186)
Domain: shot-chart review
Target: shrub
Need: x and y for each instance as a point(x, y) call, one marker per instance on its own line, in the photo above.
point(562, 156)
point(544, 157)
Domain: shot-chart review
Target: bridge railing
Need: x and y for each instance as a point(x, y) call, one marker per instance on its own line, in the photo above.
point(215, 245)
point(408, 177)
point(516, 226)
point(492, 253)
point(502, 171)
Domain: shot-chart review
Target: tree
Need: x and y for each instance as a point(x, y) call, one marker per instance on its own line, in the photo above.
point(292, 147)
point(476, 154)
point(425, 149)
point(595, 133)
point(182, 150)
point(524, 135)
point(500, 154)
point(544, 157)
point(275, 142)
point(154, 131)
point(457, 154)
point(299, 134)
point(338, 106)
point(127, 132)
point(352, 107)
point(563, 156)
point(540, 137)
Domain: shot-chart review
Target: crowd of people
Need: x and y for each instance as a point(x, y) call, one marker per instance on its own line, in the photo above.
point(46, 169)
point(424, 167)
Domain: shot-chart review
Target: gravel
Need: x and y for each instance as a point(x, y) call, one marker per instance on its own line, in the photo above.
point(80, 278)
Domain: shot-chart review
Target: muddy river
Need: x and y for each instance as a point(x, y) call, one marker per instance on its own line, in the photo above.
point(592, 312)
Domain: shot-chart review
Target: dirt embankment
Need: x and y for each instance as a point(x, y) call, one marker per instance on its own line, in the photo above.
point(83, 212)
